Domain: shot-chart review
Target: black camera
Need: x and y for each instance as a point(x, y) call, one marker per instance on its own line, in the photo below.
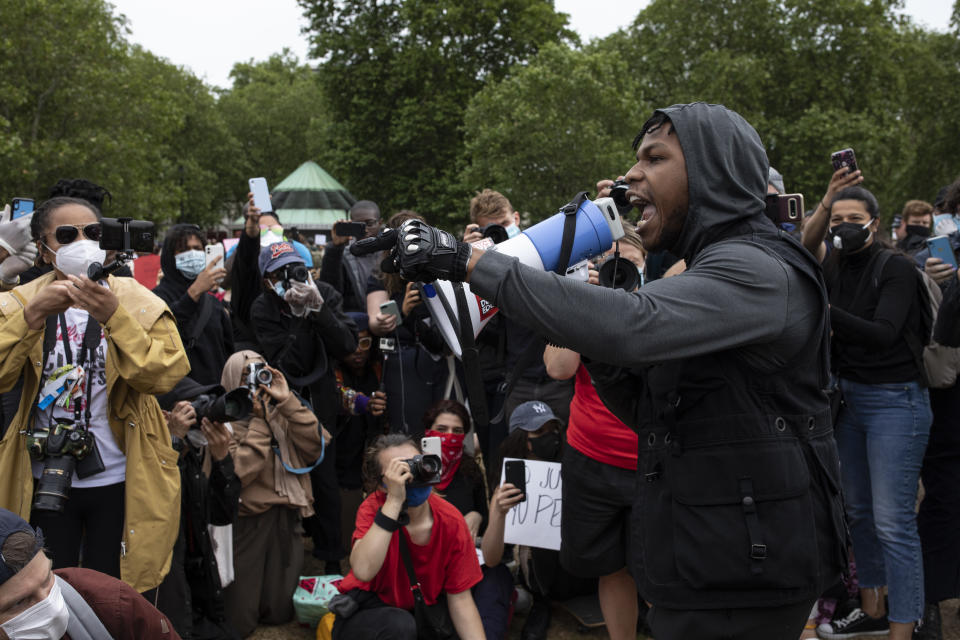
point(619, 273)
point(233, 405)
point(619, 194)
point(126, 236)
point(425, 469)
point(63, 450)
point(296, 271)
point(495, 232)
point(256, 374)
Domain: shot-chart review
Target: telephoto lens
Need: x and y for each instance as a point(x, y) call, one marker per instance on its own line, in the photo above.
point(235, 405)
point(53, 487)
point(619, 273)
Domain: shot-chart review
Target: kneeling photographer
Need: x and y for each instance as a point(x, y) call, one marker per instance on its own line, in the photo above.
point(192, 594)
point(274, 449)
point(413, 560)
point(92, 353)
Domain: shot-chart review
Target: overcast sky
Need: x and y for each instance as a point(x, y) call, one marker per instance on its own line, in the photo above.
point(209, 36)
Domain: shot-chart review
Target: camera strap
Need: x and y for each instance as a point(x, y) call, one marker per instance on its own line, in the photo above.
point(91, 340)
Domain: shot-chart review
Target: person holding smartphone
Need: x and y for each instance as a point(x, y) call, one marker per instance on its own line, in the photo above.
point(346, 272)
point(203, 322)
point(884, 422)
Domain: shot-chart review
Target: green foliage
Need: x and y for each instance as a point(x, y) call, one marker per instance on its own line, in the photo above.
point(813, 76)
point(550, 130)
point(397, 76)
point(275, 112)
point(77, 101)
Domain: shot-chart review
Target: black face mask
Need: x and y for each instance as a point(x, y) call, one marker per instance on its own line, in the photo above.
point(918, 230)
point(546, 447)
point(850, 236)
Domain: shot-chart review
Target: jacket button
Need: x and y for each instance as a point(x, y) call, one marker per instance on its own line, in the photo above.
point(747, 501)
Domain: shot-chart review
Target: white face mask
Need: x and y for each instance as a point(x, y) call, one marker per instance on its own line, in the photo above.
point(46, 620)
point(268, 237)
point(74, 258)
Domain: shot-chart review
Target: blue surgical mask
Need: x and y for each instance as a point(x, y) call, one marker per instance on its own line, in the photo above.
point(416, 496)
point(190, 263)
point(512, 231)
point(278, 289)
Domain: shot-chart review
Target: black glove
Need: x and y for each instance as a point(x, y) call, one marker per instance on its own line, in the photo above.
point(419, 252)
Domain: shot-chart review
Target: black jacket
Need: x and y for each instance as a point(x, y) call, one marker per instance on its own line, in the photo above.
point(204, 325)
point(304, 348)
point(722, 370)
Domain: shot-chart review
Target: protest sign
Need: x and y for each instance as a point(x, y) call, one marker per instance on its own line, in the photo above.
point(536, 521)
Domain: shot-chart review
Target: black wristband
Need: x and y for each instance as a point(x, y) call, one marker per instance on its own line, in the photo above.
point(385, 522)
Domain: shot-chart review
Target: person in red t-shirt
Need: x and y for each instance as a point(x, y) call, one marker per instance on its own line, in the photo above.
point(441, 548)
point(599, 475)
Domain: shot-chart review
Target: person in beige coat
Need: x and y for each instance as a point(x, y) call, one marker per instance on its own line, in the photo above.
point(273, 452)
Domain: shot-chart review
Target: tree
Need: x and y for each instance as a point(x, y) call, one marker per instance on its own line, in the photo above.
point(275, 110)
point(397, 76)
point(552, 129)
point(76, 100)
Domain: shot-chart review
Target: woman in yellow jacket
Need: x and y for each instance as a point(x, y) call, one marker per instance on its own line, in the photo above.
point(124, 516)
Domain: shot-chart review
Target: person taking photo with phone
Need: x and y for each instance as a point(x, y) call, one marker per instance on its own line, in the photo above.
point(92, 356)
point(203, 322)
point(884, 421)
point(346, 272)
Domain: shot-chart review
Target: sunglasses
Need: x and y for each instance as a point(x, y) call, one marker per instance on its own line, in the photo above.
point(65, 234)
point(364, 344)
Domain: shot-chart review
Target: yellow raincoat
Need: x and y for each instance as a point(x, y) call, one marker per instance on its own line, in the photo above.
point(144, 357)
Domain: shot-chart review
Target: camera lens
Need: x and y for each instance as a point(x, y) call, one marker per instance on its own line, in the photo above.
point(264, 376)
point(619, 273)
point(298, 272)
point(53, 487)
point(495, 232)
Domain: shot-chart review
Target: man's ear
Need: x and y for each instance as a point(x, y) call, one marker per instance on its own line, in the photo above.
point(516, 218)
point(875, 225)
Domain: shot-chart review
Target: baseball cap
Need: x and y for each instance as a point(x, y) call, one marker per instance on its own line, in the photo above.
point(12, 523)
point(276, 255)
point(530, 416)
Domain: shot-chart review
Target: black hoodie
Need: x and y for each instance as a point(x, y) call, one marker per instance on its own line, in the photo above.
point(733, 294)
point(207, 346)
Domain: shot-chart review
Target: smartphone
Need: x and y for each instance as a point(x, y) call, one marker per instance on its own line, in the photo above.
point(844, 158)
point(940, 248)
point(390, 308)
point(353, 229)
point(212, 251)
point(261, 195)
point(431, 446)
point(20, 207)
point(790, 208)
point(124, 234)
point(515, 473)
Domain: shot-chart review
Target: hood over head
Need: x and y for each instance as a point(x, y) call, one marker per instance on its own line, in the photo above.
point(173, 281)
point(727, 171)
point(233, 368)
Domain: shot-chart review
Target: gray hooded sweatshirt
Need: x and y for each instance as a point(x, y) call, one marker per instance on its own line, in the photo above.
point(734, 294)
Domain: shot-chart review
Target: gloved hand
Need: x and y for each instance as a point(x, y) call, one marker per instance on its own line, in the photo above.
point(15, 234)
point(303, 298)
point(419, 252)
point(18, 263)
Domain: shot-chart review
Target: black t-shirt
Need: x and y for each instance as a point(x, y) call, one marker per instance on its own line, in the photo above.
point(869, 318)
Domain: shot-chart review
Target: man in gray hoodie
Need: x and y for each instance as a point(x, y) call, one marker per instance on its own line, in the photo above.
point(738, 523)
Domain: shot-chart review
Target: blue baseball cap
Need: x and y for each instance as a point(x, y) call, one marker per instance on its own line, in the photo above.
point(276, 255)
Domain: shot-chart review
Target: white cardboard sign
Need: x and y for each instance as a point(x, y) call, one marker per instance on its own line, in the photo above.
point(535, 522)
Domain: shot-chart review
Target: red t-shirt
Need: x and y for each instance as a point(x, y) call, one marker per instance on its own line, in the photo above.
point(597, 433)
point(447, 563)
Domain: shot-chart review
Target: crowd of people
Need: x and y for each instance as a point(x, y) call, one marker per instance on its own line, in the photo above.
point(743, 433)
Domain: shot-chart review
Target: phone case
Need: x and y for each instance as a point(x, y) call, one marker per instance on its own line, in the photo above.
point(212, 251)
point(844, 158)
point(940, 248)
point(515, 473)
point(390, 308)
point(431, 446)
point(261, 195)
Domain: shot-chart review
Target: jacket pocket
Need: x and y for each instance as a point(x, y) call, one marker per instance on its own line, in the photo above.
point(743, 516)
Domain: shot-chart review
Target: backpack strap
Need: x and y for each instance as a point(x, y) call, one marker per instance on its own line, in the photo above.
point(84, 624)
